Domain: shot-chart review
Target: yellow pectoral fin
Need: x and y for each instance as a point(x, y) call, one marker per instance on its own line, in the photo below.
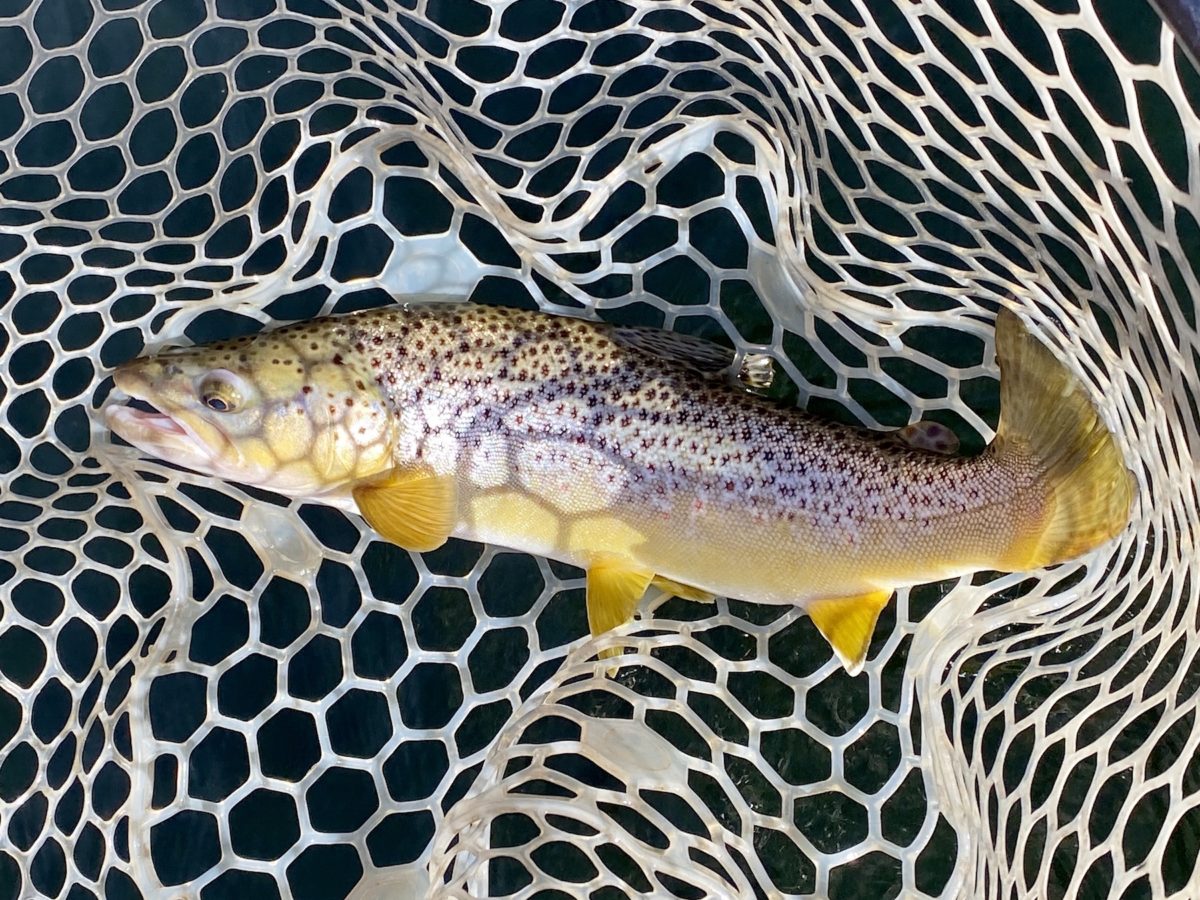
point(613, 592)
point(413, 508)
point(848, 623)
point(681, 590)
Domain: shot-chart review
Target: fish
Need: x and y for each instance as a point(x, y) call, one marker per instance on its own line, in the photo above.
point(616, 450)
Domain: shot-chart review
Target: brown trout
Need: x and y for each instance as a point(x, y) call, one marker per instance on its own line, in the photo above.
point(582, 442)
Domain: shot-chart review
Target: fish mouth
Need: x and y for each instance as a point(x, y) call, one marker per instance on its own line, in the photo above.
point(151, 419)
point(177, 438)
point(138, 420)
point(161, 435)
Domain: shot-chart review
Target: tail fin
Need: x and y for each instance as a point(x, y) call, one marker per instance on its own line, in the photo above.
point(1045, 414)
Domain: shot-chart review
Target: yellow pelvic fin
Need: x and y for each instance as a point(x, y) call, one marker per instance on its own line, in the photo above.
point(613, 591)
point(678, 589)
point(413, 508)
point(848, 623)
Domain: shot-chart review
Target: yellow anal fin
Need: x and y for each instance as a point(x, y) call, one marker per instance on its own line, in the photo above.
point(848, 623)
point(613, 592)
point(413, 508)
point(684, 591)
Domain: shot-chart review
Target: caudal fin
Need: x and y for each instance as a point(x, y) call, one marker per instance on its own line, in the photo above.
point(1045, 416)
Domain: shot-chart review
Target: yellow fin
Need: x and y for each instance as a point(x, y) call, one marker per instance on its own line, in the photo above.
point(679, 589)
point(848, 623)
point(613, 592)
point(1048, 421)
point(413, 508)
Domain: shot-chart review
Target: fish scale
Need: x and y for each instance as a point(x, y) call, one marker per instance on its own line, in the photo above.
point(590, 444)
point(653, 433)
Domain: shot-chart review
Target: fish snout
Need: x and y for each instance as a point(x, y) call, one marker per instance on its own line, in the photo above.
point(139, 377)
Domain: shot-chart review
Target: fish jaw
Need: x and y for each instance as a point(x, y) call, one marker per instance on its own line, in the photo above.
point(176, 436)
point(162, 436)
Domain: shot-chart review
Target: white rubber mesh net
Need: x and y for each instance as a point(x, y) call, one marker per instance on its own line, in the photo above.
point(210, 692)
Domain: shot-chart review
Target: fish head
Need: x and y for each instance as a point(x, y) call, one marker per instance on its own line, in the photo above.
point(285, 411)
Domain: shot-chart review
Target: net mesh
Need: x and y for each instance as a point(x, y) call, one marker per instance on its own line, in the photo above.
point(209, 691)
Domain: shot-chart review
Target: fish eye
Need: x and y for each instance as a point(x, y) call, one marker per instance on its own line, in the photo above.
point(219, 392)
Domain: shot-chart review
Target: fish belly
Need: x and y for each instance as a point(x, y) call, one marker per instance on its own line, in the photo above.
point(728, 542)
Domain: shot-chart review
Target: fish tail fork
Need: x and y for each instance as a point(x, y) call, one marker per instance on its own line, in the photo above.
point(1049, 427)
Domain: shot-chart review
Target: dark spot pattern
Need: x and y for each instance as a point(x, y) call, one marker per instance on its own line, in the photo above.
point(660, 431)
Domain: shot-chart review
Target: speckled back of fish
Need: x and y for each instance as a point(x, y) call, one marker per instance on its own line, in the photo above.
point(573, 440)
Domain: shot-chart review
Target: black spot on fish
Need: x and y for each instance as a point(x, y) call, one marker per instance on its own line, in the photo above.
point(337, 359)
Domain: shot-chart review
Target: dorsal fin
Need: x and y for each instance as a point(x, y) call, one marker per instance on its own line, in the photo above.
point(696, 353)
point(753, 371)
